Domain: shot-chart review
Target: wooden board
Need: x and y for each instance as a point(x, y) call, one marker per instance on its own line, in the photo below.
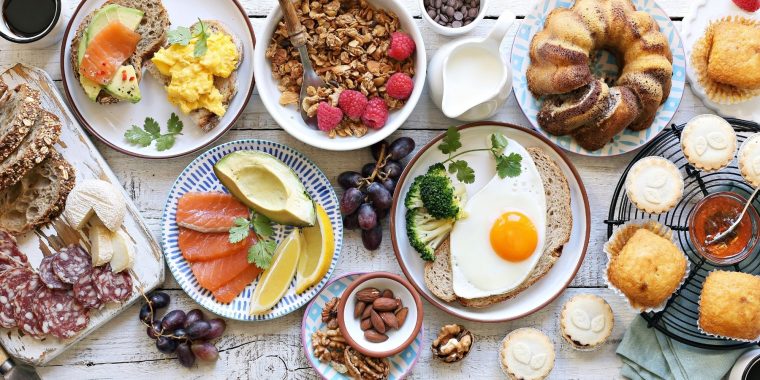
point(76, 147)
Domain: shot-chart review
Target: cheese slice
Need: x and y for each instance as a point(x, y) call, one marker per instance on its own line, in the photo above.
point(95, 197)
point(123, 252)
point(101, 246)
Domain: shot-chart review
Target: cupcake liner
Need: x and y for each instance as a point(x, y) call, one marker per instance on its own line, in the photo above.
point(699, 327)
point(618, 240)
point(716, 91)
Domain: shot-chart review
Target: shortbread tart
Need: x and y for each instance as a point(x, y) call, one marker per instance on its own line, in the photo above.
point(654, 185)
point(586, 321)
point(526, 354)
point(749, 160)
point(708, 142)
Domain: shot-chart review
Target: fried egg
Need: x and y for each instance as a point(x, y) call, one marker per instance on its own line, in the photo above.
point(494, 248)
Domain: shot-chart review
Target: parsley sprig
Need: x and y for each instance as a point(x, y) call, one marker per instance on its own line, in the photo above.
point(260, 253)
point(506, 165)
point(183, 35)
point(151, 131)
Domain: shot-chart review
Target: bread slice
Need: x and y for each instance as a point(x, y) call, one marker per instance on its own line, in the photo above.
point(202, 117)
point(153, 30)
point(38, 197)
point(3, 92)
point(18, 113)
point(559, 222)
point(33, 149)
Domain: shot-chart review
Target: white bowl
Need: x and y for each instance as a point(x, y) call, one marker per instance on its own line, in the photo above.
point(449, 31)
point(289, 117)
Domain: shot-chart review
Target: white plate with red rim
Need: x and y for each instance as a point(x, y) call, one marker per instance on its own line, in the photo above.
point(545, 290)
point(109, 122)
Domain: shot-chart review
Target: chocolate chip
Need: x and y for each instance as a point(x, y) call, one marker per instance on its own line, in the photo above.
point(452, 13)
point(457, 16)
point(456, 24)
point(432, 13)
point(473, 12)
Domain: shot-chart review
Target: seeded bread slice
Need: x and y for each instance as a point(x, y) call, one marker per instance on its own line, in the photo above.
point(34, 148)
point(559, 219)
point(38, 197)
point(3, 92)
point(18, 113)
point(153, 29)
point(202, 117)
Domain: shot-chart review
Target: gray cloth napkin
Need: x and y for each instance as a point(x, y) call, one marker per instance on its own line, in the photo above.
point(648, 354)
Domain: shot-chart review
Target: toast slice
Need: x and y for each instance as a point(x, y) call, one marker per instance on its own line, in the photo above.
point(38, 197)
point(33, 149)
point(559, 225)
point(153, 30)
point(228, 87)
point(18, 113)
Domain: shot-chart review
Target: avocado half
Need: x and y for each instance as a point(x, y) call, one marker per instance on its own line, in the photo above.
point(268, 186)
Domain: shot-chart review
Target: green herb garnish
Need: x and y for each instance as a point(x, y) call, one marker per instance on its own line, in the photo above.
point(183, 35)
point(152, 131)
point(260, 253)
point(506, 166)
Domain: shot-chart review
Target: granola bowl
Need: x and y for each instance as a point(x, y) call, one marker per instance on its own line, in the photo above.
point(348, 41)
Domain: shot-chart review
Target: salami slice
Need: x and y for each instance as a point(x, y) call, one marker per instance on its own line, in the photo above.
point(86, 293)
point(10, 256)
point(48, 276)
point(23, 307)
point(59, 313)
point(112, 286)
point(71, 263)
point(10, 281)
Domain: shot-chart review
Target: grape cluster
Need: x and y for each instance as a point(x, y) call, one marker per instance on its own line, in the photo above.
point(368, 195)
point(187, 334)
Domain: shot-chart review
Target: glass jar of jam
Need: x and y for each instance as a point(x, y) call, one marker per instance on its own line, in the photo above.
point(713, 215)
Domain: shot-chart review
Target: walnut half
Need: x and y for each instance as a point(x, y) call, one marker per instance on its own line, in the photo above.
point(453, 343)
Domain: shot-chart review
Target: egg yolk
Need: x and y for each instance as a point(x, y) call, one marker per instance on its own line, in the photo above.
point(513, 236)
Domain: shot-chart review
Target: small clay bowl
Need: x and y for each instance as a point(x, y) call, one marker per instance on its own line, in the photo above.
point(398, 340)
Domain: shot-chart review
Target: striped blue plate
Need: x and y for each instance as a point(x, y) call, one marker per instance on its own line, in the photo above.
point(199, 176)
point(605, 63)
point(401, 363)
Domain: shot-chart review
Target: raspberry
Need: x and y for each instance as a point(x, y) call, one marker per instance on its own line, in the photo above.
point(328, 117)
point(399, 86)
point(402, 46)
point(352, 103)
point(375, 114)
point(748, 5)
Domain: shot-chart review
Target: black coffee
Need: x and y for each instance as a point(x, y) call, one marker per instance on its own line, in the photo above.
point(753, 372)
point(28, 18)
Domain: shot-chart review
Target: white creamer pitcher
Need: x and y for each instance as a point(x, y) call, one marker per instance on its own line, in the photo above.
point(468, 78)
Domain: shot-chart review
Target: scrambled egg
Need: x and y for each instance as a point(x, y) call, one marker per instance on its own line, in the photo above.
point(192, 78)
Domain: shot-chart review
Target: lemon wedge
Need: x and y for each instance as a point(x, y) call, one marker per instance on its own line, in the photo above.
point(317, 253)
point(275, 281)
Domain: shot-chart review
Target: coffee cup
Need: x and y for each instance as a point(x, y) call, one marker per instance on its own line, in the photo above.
point(747, 367)
point(33, 23)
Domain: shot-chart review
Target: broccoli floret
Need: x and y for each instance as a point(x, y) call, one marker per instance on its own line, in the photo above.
point(437, 170)
point(440, 197)
point(425, 232)
point(413, 199)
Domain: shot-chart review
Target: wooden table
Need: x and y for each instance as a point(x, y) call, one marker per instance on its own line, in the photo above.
point(272, 350)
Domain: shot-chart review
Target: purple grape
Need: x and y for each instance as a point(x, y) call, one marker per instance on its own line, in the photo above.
point(350, 201)
point(367, 169)
point(376, 147)
point(145, 314)
point(218, 326)
point(393, 169)
point(192, 316)
point(401, 148)
point(351, 222)
point(154, 330)
point(205, 351)
point(367, 217)
point(379, 196)
point(159, 300)
point(185, 355)
point(173, 320)
point(166, 345)
point(372, 238)
point(389, 184)
point(349, 179)
point(198, 330)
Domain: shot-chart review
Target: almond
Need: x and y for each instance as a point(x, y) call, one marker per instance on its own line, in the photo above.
point(384, 304)
point(366, 324)
point(377, 322)
point(387, 293)
point(368, 309)
point(368, 295)
point(389, 319)
point(359, 309)
point(374, 336)
point(401, 315)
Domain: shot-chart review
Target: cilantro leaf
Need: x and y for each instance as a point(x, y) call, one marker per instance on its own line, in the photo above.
point(262, 225)
point(508, 166)
point(151, 126)
point(463, 171)
point(164, 142)
point(450, 142)
point(180, 36)
point(137, 136)
point(261, 253)
point(498, 143)
point(240, 230)
point(174, 125)
point(201, 44)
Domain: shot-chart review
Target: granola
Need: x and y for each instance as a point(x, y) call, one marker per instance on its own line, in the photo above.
point(347, 44)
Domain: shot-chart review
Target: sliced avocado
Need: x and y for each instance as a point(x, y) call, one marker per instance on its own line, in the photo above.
point(268, 186)
point(130, 17)
point(91, 88)
point(124, 85)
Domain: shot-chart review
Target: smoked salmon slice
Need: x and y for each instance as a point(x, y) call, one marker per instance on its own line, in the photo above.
point(198, 246)
point(107, 51)
point(213, 274)
point(232, 289)
point(209, 212)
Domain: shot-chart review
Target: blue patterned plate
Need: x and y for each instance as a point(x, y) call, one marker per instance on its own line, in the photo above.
point(199, 176)
point(401, 363)
point(605, 63)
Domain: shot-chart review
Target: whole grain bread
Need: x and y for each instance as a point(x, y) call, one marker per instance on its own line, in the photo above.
point(38, 197)
point(17, 116)
point(559, 220)
point(34, 148)
point(153, 29)
point(228, 87)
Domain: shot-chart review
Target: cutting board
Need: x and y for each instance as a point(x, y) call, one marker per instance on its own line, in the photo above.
point(76, 147)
